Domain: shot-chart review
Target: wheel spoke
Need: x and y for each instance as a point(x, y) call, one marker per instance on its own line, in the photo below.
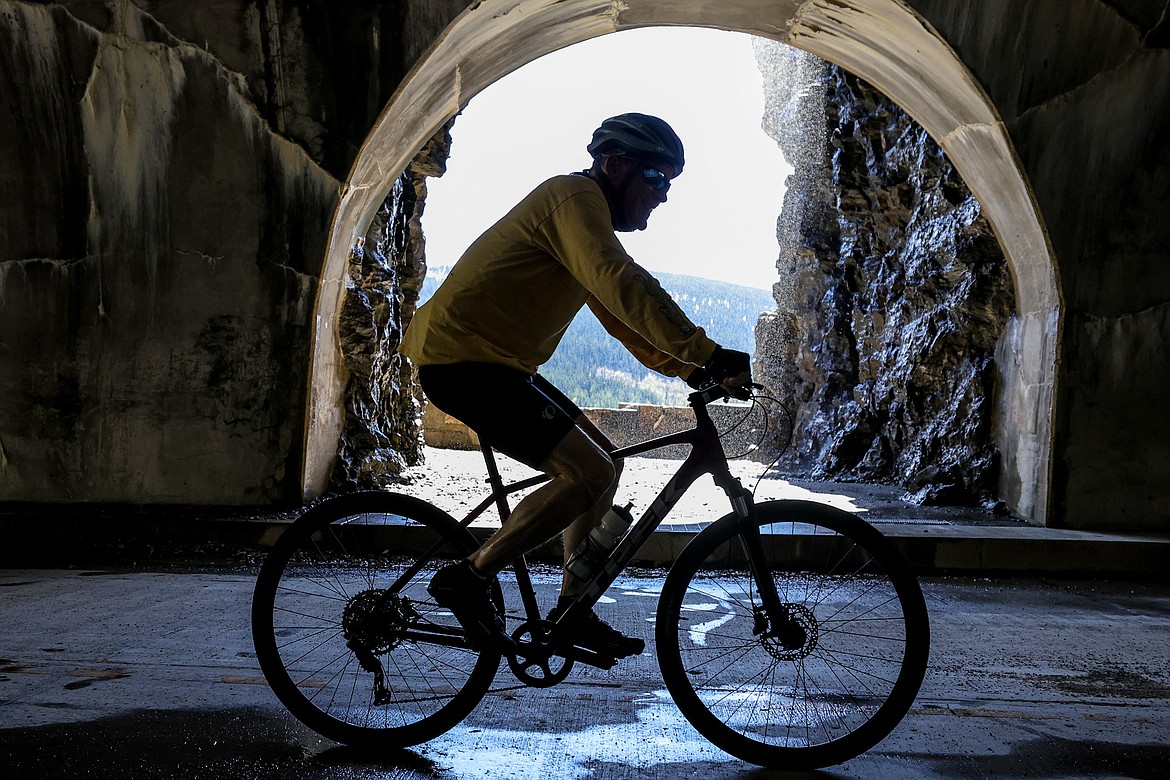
point(346, 654)
point(865, 638)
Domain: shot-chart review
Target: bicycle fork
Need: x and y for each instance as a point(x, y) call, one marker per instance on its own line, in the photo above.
point(773, 618)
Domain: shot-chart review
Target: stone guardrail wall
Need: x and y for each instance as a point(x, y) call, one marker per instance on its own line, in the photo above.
point(625, 425)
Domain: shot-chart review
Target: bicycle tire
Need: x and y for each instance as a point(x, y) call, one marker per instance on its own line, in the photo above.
point(852, 680)
point(318, 592)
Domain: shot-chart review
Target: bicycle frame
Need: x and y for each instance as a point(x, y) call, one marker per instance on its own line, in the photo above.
point(814, 680)
point(706, 457)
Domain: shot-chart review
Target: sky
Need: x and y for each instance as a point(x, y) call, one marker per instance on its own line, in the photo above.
point(719, 221)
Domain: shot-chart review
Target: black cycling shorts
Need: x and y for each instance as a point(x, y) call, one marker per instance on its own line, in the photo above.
point(521, 415)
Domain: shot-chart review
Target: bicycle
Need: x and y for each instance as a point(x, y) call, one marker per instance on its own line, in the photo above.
point(789, 633)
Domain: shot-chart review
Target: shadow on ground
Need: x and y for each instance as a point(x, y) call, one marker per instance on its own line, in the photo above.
point(1056, 758)
point(176, 745)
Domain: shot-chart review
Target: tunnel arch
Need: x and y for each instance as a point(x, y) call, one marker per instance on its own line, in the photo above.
point(882, 41)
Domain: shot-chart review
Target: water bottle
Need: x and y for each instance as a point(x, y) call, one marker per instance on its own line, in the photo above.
point(600, 542)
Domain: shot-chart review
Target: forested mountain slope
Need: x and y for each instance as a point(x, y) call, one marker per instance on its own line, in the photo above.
point(596, 371)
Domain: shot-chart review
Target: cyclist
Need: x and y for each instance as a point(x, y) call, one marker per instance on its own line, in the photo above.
point(480, 340)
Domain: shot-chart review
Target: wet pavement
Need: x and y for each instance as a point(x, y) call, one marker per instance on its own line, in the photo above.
point(151, 674)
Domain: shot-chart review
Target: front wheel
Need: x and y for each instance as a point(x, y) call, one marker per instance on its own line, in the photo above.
point(830, 678)
point(346, 633)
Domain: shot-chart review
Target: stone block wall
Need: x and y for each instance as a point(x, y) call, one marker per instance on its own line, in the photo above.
point(626, 425)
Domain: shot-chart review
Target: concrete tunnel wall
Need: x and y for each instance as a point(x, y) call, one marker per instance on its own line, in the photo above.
point(170, 171)
point(883, 41)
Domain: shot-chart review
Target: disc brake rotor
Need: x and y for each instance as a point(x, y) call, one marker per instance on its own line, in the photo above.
point(802, 619)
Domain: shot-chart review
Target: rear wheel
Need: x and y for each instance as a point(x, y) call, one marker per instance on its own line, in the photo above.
point(834, 678)
point(346, 633)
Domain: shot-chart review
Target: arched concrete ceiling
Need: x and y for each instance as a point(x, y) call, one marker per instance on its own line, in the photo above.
point(882, 41)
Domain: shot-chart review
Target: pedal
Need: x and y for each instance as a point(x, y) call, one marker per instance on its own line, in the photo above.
point(590, 657)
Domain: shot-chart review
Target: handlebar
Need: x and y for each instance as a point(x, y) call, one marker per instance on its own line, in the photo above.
point(717, 392)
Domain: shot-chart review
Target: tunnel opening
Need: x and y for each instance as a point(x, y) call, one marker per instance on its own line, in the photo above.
point(881, 41)
point(874, 327)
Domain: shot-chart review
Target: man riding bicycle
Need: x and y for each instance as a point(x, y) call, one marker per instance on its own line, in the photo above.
point(480, 340)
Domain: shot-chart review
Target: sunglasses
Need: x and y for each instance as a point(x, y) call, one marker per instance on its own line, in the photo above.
point(655, 178)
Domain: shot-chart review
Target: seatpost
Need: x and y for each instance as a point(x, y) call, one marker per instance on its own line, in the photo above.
point(495, 481)
point(520, 566)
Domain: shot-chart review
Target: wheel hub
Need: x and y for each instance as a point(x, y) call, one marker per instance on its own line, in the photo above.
point(796, 638)
point(376, 621)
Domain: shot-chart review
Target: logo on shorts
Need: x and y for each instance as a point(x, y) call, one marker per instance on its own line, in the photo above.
point(550, 412)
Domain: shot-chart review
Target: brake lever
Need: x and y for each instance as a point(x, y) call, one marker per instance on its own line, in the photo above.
point(745, 392)
point(715, 392)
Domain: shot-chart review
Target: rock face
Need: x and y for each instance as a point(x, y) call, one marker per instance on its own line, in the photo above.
point(383, 423)
point(892, 295)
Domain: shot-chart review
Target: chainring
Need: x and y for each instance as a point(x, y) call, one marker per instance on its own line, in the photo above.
point(534, 663)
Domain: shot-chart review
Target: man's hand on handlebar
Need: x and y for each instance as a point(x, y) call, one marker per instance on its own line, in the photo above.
point(731, 369)
point(739, 386)
point(698, 378)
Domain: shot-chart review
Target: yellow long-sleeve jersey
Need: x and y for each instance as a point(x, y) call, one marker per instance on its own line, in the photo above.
point(514, 292)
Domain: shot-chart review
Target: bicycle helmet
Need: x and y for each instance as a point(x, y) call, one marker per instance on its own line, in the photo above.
point(639, 136)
